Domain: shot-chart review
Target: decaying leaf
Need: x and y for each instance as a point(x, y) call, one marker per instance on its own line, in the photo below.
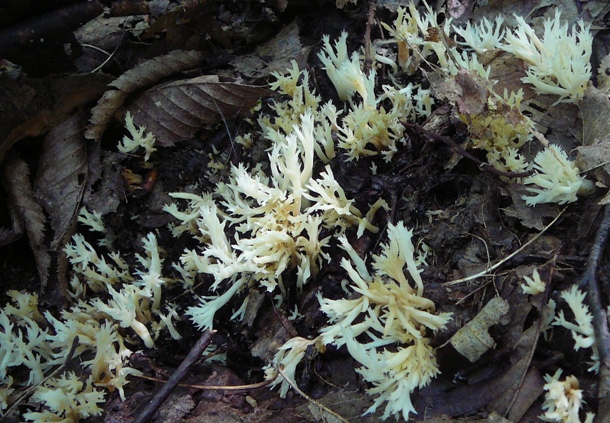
point(110, 189)
point(595, 113)
point(473, 92)
point(141, 76)
point(76, 93)
point(16, 181)
point(177, 407)
point(517, 386)
point(473, 340)
point(12, 234)
point(595, 158)
point(351, 405)
point(62, 175)
point(275, 55)
point(530, 217)
point(177, 110)
point(457, 8)
point(595, 155)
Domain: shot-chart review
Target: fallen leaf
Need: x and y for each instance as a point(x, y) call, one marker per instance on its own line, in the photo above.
point(595, 113)
point(16, 181)
point(177, 110)
point(275, 55)
point(62, 174)
point(85, 90)
point(530, 217)
point(140, 76)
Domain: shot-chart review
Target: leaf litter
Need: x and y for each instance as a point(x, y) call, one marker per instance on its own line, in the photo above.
point(478, 223)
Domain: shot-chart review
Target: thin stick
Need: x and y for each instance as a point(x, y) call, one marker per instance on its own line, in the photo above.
point(542, 301)
point(589, 281)
point(368, 61)
point(507, 258)
point(447, 140)
point(308, 398)
point(31, 389)
point(165, 391)
point(235, 388)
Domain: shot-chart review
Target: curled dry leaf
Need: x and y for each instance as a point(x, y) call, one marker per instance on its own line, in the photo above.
point(473, 340)
point(140, 76)
point(16, 181)
point(177, 110)
point(62, 175)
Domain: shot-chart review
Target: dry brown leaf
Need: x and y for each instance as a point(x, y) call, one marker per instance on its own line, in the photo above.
point(595, 158)
point(110, 189)
point(16, 181)
point(62, 175)
point(177, 407)
point(177, 110)
point(467, 399)
point(140, 76)
point(530, 217)
point(12, 234)
point(560, 119)
point(473, 340)
point(474, 93)
point(595, 113)
point(517, 386)
point(529, 392)
point(45, 120)
point(351, 405)
point(275, 55)
point(594, 155)
point(457, 8)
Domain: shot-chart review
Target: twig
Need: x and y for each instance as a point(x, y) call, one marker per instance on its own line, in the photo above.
point(31, 389)
point(507, 258)
point(109, 55)
point(163, 393)
point(368, 57)
point(234, 388)
point(589, 281)
point(447, 140)
point(308, 398)
point(544, 314)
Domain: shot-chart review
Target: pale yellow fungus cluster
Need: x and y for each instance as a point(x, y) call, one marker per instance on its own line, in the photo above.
point(558, 62)
point(278, 222)
point(563, 400)
point(394, 315)
point(139, 139)
point(257, 226)
point(556, 178)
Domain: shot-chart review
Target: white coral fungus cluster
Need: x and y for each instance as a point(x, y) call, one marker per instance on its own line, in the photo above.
point(278, 223)
point(485, 36)
point(558, 62)
point(562, 400)
point(533, 285)
point(138, 139)
point(375, 123)
point(556, 178)
point(384, 328)
point(37, 344)
point(68, 399)
point(418, 37)
point(582, 330)
point(287, 358)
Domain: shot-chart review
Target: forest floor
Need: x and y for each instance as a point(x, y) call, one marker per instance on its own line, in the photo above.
point(471, 219)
